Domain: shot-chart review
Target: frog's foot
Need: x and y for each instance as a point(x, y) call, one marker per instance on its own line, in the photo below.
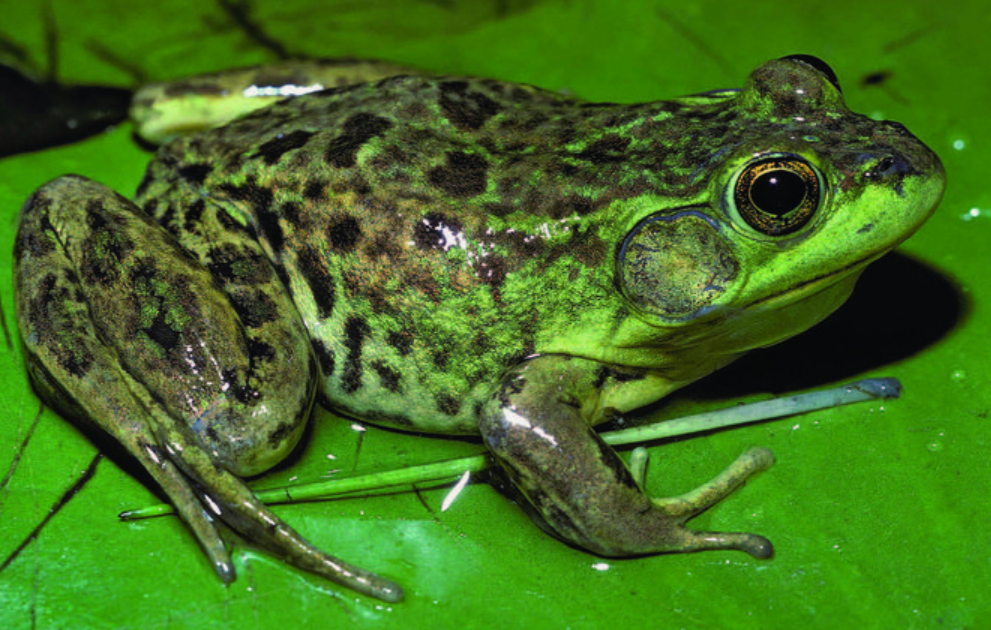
point(686, 506)
point(229, 499)
point(579, 486)
point(187, 504)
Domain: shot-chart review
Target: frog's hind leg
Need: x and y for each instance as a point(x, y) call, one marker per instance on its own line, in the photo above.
point(277, 392)
point(113, 314)
point(71, 368)
point(537, 425)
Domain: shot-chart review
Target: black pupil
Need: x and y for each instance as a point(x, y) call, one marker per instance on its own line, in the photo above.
point(778, 192)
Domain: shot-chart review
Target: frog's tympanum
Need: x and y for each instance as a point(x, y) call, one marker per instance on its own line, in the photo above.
point(457, 256)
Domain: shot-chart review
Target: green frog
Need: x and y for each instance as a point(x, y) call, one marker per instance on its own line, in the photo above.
point(457, 256)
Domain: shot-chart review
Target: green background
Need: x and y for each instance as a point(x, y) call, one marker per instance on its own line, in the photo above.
point(879, 513)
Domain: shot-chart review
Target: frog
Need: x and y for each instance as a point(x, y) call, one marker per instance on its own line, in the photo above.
point(457, 256)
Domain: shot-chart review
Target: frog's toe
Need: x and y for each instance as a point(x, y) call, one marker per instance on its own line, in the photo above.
point(689, 540)
point(700, 499)
point(224, 570)
point(639, 458)
point(758, 546)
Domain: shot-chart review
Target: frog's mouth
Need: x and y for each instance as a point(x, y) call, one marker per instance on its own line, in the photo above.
point(814, 286)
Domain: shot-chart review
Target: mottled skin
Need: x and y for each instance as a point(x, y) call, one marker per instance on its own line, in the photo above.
point(458, 256)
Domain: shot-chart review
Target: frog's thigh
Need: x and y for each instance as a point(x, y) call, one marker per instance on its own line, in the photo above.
point(71, 367)
point(579, 485)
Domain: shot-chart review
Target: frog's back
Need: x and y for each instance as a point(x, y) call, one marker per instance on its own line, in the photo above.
point(432, 232)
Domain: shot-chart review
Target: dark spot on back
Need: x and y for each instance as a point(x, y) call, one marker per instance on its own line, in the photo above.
point(343, 233)
point(105, 248)
point(74, 358)
point(269, 223)
point(402, 341)
point(342, 152)
point(233, 263)
point(383, 245)
point(258, 196)
point(463, 175)
point(150, 207)
point(159, 330)
point(441, 358)
point(467, 109)
point(289, 211)
point(146, 181)
point(492, 271)
point(261, 199)
point(499, 210)
point(325, 356)
point(238, 390)
point(388, 377)
point(315, 190)
point(447, 404)
point(96, 215)
point(193, 215)
point(259, 351)
point(168, 219)
point(570, 206)
point(355, 331)
point(273, 150)
point(195, 173)
point(254, 308)
point(227, 222)
point(318, 278)
point(608, 150)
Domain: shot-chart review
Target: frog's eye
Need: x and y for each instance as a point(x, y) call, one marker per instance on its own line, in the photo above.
point(777, 196)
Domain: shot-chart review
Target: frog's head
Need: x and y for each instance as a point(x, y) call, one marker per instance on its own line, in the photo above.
point(804, 195)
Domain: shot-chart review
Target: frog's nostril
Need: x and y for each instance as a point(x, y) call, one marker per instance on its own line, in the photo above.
point(887, 167)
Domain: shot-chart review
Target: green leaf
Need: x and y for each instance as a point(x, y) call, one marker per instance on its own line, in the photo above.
point(879, 513)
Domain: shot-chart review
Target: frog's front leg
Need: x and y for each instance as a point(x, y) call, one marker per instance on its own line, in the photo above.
point(191, 364)
point(538, 426)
